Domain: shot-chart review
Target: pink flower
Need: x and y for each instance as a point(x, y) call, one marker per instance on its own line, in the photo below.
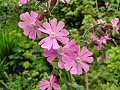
point(107, 57)
point(100, 21)
point(23, 1)
point(107, 5)
point(78, 62)
point(115, 24)
point(98, 42)
point(64, 53)
point(105, 38)
point(30, 24)
point(99, 58)
point(56, 33)
point(65, 1)
point(45, 84)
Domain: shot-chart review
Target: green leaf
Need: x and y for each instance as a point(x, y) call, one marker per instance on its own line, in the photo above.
point(76, 86)
point(64, 87)
point(37, 88)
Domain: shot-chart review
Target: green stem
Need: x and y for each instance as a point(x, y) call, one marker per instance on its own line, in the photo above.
point(86, 81)
point(118, 4)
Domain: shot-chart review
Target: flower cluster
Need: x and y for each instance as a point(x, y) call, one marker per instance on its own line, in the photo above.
point(57, 44)
point(104, 34)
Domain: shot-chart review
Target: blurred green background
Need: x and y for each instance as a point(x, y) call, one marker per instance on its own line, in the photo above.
point(22, 64)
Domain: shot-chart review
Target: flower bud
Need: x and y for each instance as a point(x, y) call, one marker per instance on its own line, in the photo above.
point(107, 26)
point(100, 31)
point(40, 16)
point(53, 2)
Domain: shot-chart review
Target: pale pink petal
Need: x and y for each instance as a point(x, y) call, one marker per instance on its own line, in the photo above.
point(99, 58)
point(74, 68)
point(63, 32)
point(27, 31)
point(47, 26)
point(55, 44)
point(44, 84)
point(49, 88)
point(23, 25)
point(89, 59)
point(25, 17)
point(56, 86)
point(52, 79)
point(68, 65)
point(43, 30)
point(71, 45)
point(48, 43)
point(61, 64)
point(79, 69)
point(43, 40)
point(39, 33)
point(63, 40)
point(94, 37)
point(33, 34)
point(115, 21)
point(52, 58)
point(38, 23)
point(49, 52)
point(34, 15)
point(84, 66)
point(60, 26)
point(54, 24)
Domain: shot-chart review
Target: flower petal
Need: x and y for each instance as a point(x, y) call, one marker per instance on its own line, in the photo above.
point(60, 26)
point(55, 44)
point(84, 66)
point(61, 64)
point(63, 40)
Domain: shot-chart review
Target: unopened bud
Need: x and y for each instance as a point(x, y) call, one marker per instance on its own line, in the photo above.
point(53, 2)
point(40, 16)
point(107, 26)
point(100, 31)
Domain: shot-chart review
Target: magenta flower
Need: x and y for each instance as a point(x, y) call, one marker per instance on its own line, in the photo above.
point(65, 1)
point(115, 24)
point(64, 53)
point(105, 38)
point(30, 24)
point(56, 33)
point(98, 42)
point(78, 62)
point(45, 84)
point(23, 1)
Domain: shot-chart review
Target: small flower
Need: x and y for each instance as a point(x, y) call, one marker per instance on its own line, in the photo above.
point(49, 84)
point(78, 62)
point(56, 33)
point(98, 42)
point(115, 24)
point(99, 58)
point(65, 1)
point(23, 1)
point(107, 57)
point(107, 5)
point(100, 21)
point(30, 24)
point(64, 53)
point(105, 38)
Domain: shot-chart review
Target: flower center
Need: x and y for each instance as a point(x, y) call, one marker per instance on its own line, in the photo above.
point(60, 51)
point(52, 35)
point(32, 24)
point(78, 59)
